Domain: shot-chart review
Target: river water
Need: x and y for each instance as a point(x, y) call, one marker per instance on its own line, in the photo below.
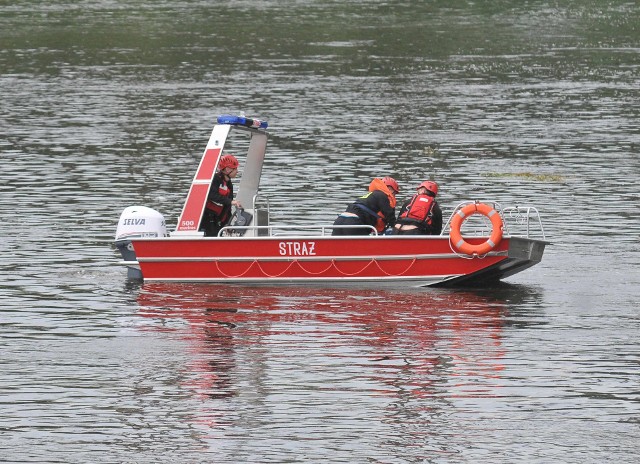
point(107, 104)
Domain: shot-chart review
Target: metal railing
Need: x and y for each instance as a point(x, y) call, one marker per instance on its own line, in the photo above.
point(291, 230)
point(523, 221)
point(527, 217)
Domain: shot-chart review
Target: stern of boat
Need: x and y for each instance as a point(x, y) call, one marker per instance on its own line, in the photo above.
point(136, 222)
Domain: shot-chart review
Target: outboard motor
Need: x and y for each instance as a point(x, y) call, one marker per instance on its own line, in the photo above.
point(136, 222)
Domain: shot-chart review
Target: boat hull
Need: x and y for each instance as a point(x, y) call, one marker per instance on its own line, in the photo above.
point(387, 261)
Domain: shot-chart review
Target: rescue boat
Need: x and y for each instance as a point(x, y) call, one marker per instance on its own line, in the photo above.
point(481, 242)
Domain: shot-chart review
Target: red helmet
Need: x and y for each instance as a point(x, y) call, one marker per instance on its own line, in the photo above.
point(228, 161)
point(391, 182)
point(430, 186)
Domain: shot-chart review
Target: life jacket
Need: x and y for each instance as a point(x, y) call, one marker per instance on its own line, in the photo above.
point(219, 208)
point(419, 209)
point(378, 184)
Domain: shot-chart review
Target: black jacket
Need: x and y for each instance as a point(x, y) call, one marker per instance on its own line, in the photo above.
point(369, 205)
point(216, 197)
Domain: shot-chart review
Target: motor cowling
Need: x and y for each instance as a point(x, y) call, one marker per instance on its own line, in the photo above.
point(137, 222)
point(140, 221)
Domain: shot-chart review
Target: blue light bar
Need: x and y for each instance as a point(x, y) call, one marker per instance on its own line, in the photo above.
point(242, 121)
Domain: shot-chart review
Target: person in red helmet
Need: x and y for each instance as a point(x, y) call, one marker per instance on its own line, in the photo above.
point(376, 208)
point(217, 211)
point(421, 214)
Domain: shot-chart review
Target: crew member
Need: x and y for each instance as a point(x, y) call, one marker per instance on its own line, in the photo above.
point(420, 215)
point(217, 212)
point(376, 208)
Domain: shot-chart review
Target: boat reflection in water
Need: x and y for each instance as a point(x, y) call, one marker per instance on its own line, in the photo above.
point(302, 345)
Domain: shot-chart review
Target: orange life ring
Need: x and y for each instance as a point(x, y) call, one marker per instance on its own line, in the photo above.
point(455, 236)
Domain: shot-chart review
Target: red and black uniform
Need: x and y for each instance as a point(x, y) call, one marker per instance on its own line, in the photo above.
point(217, 212)
point(371, 209)
point(421, 211)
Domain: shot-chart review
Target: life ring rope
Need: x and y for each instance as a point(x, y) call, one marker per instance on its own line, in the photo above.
point(333, 264)
point(459, 244)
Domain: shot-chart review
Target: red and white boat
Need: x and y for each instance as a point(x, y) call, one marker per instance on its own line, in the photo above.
point(481, 242)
